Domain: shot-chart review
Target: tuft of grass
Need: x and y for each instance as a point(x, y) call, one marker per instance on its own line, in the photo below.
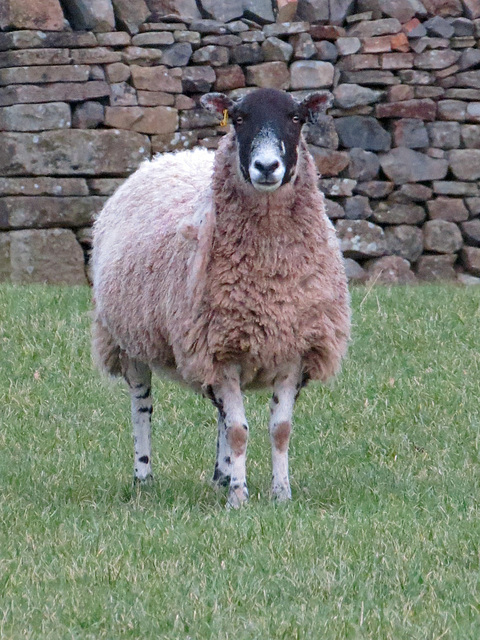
point(381, 539)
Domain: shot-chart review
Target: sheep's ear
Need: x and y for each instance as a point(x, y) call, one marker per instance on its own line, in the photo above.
point(314, 105)
point(217, 103)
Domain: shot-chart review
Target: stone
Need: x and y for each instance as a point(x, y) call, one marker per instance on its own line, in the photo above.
point(260, 11)
point(364, 165)
point(444, 135)
point(141, 56)
point(472, 8)
point(353, 271)
point(333, 209)
point(31, 57)
point(55, 92)
point(465, 163)
point(436, 59)
point(450, 209)
point(237, 26)
point(404, 240)
point(35, 117)
point(440, 27)
point(287, 29)
point(362, 131)
point(372, 28)
point(177, 55)
point(104, 186)
point(228, 78)
point(443, 8)
point(328, 162)
point(275, 49)
point(270, 75)
point(420, 109)
point(348, 45)
point(357, 208)
point(353, 95)
point(153, 39)
point(473, 112)
point(286, 10)
point(470, 231)
point(463, 27)
point(303, 46)
point(400, 42)
point(25, 212)
point(436, 268)
point(370, 77)
point(228, 40)
point(360, 61)
point(402, 11)
point(181, 9)
point(248, 53)
point(313, 10)
point(113, 39)
point(157, 99)
point(211, 54)
point(117, 72)
point(93, 15)
point(470, 79)
point(198, 79)
point(142, 119)
point(336, 186)
point(429, 92)
point(452, 110)
point(467, 280)
point(178, 141)
point(41, 186)
point(361, 239)
point(322, 133)
point(31, 14)
point(27, 39)
point(95, 55)
point(130, 14)
point(389, 270)
point(88, 115)
point(469, 58)
point(311, 74)
point(72, 152)
point(414, 29)
point(414, 192)
point(122, 94)
point(326, 51)
point(159, 79)
point(405, 165)
point(222, 10)
point(42, 74)
point(473, 205)
point(455, 188)
point(374, 189)
point(393, 213)
point(339, 10)
point(326, 31)
point(411, 133)
point(192, 37)
point(50, 256)
point(441, 236)
point(397, 61)
point(198, 118)
point(470, 134)
point(414, 76)
point(400, 92)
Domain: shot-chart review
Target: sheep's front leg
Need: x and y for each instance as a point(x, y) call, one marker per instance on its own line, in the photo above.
point(232, 439)
point(285, 391)
point(139, 379)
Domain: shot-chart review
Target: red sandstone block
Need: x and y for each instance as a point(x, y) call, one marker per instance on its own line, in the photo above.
point(378, 44)
point(399, 42)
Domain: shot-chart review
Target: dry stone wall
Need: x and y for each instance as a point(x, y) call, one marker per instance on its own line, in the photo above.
point(90, 88)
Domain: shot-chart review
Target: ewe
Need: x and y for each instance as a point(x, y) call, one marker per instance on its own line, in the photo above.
point(223, 271)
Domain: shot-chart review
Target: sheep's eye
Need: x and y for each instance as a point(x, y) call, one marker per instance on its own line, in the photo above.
point(239, 120)
point(296, 119)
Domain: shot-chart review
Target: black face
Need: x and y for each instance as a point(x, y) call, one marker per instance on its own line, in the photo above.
point(267, 125)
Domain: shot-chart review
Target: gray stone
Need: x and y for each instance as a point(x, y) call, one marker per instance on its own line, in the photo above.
point(150, 120)
point(322, 133)
point(326, 51)
point(361, 239)
point(405, 165)
point(364, 165)
point(104, 186)
point(270, 75)
point(222, 10)
point(131, 13)
point(35, 117)
point(470, 257)
point(371, 77)
point(353, 95)
point(450, 209)
point(50, 256)
point(455, 188)
point(72, 152)
point(347, 46)
point(463, 27)
point(465, 163)
point(260, 11)
point(411, 133)
point(117, 72)
point(468, 280)
point(25, 212)
point(141, 56)
point(162, 79)
point(444, 135)
point(248, 53)
point(333, 209)
point(357, 208)
point(364, 132)
point(469, 58)
point(177, 55)
point(44, 74)
point(198, 118)
point(404, 240)
point(211, 54)
point(436, 59)
point(374, 189)
point(153, 39)
point(470, 79)
point(473, 205)
point(394, 213)
point(303, 46)
point(441, 236)
point(436, 268)
point(313, 10)
point(311, 74)
point(226, 41)
point(41, 186)
point(452, 110)
point(389, 270)
point(373, 28)
point(95, 15)
point(438, 26)
point(339, 9)
point(275, 49)
point(88, 115)
point(471, 232)
point(470, 136)
point(122, 94)
point(413, 192)
point(183, 9)
point(337, 186)
point(285, 29)
point(353, 271)
point(198, 79)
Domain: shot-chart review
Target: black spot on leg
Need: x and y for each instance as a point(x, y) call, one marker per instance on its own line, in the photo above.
point(228, 460)
point(144, 396)
point(275, 399)
point(148, 410)
point(245, 426)
point(144, 459)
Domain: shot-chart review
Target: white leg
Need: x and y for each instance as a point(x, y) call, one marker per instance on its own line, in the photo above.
point(139, 378)
point(285, 391)
point(233, 436)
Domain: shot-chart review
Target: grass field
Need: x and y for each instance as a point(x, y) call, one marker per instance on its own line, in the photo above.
point(381, 540)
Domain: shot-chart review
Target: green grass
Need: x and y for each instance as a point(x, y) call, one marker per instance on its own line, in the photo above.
point(381, 540)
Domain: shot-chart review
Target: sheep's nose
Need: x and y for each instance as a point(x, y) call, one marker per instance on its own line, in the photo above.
point(266, 168)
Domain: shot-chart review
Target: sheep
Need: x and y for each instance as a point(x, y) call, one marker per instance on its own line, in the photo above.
point(222, 271)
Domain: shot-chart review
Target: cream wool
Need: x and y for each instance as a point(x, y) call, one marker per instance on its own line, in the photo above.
point(199, 275)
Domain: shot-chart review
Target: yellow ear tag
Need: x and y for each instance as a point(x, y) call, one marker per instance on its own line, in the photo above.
point(224, 122)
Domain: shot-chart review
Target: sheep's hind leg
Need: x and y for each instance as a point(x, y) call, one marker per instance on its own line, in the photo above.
point(285, 392)
point(139, 379)
point(232, 437)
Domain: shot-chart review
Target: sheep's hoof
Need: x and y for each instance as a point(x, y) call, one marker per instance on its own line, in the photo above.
point(237, 496)
point(281, 493)
point(143, 482)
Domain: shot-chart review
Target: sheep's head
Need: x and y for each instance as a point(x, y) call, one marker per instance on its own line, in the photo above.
point(267, 126)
